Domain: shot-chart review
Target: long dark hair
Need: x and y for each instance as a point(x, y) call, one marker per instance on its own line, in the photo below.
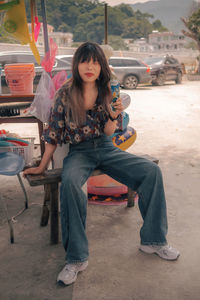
point(74, 87)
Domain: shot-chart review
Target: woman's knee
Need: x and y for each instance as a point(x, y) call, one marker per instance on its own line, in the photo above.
point(153, 168)
point(70, 177)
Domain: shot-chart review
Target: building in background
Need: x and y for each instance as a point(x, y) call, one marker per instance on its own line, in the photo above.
point(166, 41)
point(62, 39)
point(140, 45)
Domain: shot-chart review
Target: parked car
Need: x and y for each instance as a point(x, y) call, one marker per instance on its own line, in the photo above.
point(11, 57)
point(164, 68)
point(130, 71)
point(67, 58)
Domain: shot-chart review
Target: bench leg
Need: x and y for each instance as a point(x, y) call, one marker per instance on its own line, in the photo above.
point(131, 198)
point(46, 204)
point(54, 224)
point(9, 223)
point(24, 190)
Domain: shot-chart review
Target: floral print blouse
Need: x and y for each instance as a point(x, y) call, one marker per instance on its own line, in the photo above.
point(58, 131)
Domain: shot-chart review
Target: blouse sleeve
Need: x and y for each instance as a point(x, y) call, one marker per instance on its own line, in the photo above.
point(54, 131)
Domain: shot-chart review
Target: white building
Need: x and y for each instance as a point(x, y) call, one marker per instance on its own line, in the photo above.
point(62, 39)
point(140, 45)
point(166, 41)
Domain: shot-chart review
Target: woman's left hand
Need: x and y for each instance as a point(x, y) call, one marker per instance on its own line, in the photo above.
point(118, 106)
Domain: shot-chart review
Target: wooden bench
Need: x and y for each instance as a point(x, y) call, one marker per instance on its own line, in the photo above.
point(51, 179)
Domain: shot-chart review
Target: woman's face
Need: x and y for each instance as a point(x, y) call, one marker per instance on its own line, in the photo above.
point(89, 71)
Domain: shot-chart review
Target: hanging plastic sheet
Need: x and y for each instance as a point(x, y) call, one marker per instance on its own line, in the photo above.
point(35, 24)
point(49, 59)
point(44, 96)
point(15, 25)
point(41, 105)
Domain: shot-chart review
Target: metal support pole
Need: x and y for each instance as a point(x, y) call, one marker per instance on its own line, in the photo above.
point(106, 24)
point(45, 31)
point(46, 49)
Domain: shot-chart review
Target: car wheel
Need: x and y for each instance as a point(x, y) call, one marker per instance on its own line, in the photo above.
point(160, 80)
point(179, 78)
point(130, 82)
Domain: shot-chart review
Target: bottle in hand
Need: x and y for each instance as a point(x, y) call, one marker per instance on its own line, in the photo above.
point(115, 89)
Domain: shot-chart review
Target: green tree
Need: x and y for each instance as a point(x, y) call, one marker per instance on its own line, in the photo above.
point(135, 29)
point(117, 43)
point(192, 23)
point(86, 20)
point(191, 45)
point(141, 16)
point(157, 25)
point(115, 21)
point(80, 33)
point(95, 30)
point(126, 10)
point(64, 28)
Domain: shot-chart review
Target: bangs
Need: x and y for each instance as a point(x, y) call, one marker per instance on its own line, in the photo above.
point(89, 52)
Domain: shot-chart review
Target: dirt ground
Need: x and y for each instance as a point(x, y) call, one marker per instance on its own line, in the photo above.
point(167, 122)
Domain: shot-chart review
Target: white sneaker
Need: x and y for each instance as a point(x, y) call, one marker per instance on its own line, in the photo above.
point(165, 252)
point(69, 273)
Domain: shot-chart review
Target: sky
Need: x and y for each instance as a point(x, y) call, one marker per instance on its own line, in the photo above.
point(117, 2)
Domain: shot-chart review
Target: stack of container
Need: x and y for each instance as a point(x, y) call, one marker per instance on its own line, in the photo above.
point(20, 78)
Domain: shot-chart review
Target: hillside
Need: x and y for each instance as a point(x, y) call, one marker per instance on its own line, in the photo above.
point(168, 12)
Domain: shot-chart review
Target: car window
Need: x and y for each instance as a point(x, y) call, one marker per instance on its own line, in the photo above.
point(22, 58)
point(19, 58)
point(131, 63)
point(10, 59)
point(168, 61)
point(59, 63)
point(116, 62)
point(6, 59)
point(153, 60)
point(171, 60)
point(120, 62)
point(67, 59)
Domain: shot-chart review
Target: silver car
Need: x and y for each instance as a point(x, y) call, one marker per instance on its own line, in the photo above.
point(66, 57)
point(130, 71)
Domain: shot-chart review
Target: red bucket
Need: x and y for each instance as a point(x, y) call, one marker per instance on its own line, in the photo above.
point(20, 78)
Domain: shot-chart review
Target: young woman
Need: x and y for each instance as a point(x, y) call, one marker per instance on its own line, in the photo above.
point(82, 115)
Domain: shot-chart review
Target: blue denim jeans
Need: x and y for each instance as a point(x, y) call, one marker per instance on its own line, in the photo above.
point(136, 172)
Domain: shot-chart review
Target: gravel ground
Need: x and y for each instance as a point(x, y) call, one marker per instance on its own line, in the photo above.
point(167, 122)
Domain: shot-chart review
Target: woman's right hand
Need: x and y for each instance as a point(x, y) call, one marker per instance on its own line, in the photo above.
point(34, 171)
point(49, 150)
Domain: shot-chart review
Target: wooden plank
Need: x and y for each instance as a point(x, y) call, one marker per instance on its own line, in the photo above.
point(49, 176)
point(6, 98)
point(54, 175)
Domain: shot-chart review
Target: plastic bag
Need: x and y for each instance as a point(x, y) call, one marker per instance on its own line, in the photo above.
point(59, 79)
point(49, 59)
point(41, 105)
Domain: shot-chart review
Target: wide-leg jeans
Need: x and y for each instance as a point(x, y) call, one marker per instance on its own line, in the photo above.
point(138, 173)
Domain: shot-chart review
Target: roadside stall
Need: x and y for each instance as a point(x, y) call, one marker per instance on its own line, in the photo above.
point(20, 80)
point(20, 77)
